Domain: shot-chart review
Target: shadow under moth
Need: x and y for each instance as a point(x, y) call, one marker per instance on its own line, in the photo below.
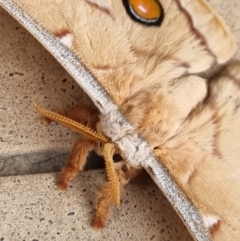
point(166, 65)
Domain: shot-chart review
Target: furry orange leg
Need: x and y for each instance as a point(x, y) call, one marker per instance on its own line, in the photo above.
point(88, 116)
point(103, 206)
point(76, 162)
point(105, 199)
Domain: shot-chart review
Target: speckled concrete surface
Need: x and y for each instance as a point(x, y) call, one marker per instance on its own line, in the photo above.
point(38, 211)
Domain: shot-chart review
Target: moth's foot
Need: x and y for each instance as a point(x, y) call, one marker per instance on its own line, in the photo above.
point(66, 176)
point(98, 223)
point(62, 185)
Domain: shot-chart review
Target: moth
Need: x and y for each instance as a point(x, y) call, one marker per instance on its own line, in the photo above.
point(167, 65)
point(85, 119)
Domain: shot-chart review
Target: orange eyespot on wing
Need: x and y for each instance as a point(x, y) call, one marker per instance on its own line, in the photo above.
point(148, 12)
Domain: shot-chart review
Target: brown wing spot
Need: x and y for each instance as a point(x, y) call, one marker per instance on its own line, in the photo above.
point(213, 229)
point(100, 8)
point(62, 33)
point(213, 223)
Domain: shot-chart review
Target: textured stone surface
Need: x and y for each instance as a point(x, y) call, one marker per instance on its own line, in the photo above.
point(36, 210)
